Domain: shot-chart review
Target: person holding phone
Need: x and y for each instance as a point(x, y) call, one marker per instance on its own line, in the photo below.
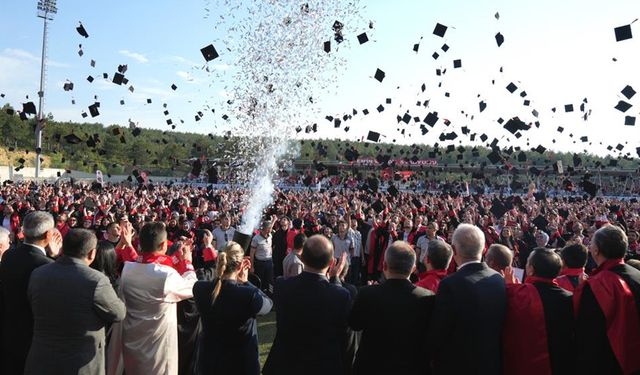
point(228, 308)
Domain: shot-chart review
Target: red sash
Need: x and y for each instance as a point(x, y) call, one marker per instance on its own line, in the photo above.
point(563, 280)
point(621, 315)
point(173, 261)
point(524, 337)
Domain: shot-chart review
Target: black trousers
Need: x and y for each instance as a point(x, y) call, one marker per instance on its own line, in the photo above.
point(264, 270)
point(354, 270)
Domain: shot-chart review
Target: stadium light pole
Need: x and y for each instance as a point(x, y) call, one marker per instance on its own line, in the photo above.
point(46, 10)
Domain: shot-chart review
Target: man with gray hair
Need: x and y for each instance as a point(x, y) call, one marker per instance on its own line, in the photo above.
point(397, 345)
point(5, 240)
point(607, 321)
point(465, 331)
point(15, 270)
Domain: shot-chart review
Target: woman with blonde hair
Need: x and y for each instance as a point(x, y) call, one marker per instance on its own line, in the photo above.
point(228, 308)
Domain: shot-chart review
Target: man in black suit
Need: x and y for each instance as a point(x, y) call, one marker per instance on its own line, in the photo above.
point(538, 330)
point(465, 331)
point(71, 303)
point(608, 305)
point(393, 318)
point(311, 316)
point(15, 271)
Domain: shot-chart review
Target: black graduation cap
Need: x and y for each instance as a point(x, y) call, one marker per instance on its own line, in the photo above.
point(540, 149)
point(568, 108)
point(498, 208)
point(457, 63)
point(68, 86)
point(431, 119)
point(327, 46)
point(499, 39)
point(393, 191)
point(494, 157)
point(93, 109)
point(148, 101)
point(515, 124)
point(209, 52)
point(623, 33)
point(362, 38)
point(511, 87)
point(29, 108)
point(81, 30)
point(379, 75)
point(484, 137)
point(373, 136)
point(440, 29)
point(174, 87)
point(584, 139)
point(90, 79)
point(630, 120)
point(416, 47)
point(623, 106)
point(522, 157)
point(590, 188)
point(483, 105)
point(378, 206)
point(540, 222)
point(380, 109)
point(72, 139)
point(628, 92)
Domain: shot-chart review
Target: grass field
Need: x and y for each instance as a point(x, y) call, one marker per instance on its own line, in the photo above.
point(266, 333)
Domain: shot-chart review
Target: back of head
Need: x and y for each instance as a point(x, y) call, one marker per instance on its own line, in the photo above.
point(105, 260)
point(299, 240)
point(545, 263)
point(468, 241)
point(78, 243)
point(317, 252)
point(152, 236)
point(611, 241)
point(574, 256)
point(499, 257)
point(439, 254)
point(36, 225)
point(229, 261)
point(400, 258)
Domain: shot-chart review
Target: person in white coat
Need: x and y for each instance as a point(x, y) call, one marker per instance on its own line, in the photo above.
point(146, 342)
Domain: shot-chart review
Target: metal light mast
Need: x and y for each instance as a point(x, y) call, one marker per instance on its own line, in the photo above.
point(46, 10)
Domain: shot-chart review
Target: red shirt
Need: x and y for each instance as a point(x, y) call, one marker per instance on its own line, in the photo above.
point(431, 279)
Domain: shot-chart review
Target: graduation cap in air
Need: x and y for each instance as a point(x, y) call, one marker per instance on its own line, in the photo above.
point(515, 124)
point(118, 78)
point(623, 106)
point(378, 206)
point(590, 188)
point(81, 30)
point(498, 208)
point(629, 120)
point(540, 222)
point(362, 38)
point(393, 191)
point(623, 33)
point(431, 119)
point(457, 63)
point(499, 39)
point(68, 86)
point(72, 139)
point(209, 52)
point(511, 87)
point(628, 92)
point(327, 46)
point(174, 87)
point(439, 30)
point(29, 108)
point(93, 110)
point(379, 75)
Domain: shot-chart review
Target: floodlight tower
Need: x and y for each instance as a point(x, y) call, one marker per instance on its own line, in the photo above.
point(46, 10)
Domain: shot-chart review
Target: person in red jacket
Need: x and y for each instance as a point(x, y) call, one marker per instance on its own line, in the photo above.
point(574, 259)
point(437, 261)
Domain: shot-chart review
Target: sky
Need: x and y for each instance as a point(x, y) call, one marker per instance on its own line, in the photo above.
point(559, 52)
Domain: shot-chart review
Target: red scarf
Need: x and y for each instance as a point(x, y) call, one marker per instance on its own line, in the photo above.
point(621, 315)
point(174, 262)
point(524, 336)
point(563, 280)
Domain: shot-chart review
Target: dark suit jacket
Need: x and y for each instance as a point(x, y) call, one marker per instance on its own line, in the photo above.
point(594, 353)
point(558, 315)
point(17, 321)
point(465, 334)
point(311, 322)
point(229, 341)
point(71, 305)
point(394, 318)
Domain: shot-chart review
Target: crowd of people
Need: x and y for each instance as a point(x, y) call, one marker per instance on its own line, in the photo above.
point(150, 279)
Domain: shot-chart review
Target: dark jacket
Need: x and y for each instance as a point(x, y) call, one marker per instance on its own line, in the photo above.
point(311, 322)
point(71, 305)
point(393, 318)
point(558, 316)
point(465, 335)
point(229, 338)
point(17, 320)
point(594, 353)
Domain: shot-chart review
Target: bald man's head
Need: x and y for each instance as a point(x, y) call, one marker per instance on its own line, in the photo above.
point(317, 252)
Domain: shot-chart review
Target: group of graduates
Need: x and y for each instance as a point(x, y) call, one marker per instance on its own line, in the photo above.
point(152, 283)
